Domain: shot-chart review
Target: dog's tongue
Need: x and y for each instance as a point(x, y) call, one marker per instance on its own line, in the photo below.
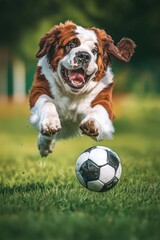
point(77, 77)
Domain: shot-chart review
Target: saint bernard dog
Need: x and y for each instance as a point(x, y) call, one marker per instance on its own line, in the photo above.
point(73, 83)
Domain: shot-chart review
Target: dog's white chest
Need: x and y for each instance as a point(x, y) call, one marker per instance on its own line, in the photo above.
point(71, 109)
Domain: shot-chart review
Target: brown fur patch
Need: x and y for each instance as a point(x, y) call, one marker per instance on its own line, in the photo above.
point(104, 98)
point(103, 59)
point(40, 86)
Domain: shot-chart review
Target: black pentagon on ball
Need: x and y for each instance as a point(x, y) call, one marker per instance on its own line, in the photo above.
point(90, 149)
point(89, 171)
point(109, 185)
point(112, 160)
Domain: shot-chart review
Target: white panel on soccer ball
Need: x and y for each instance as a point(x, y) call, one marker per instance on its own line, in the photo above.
point(119, 171)
point(80, 178)
point(107, 149)
point(99, 156)
point(95, 185)
point(82, 158)
point(106, 173)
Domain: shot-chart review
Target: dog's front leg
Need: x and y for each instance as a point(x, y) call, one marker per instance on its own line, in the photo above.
point(45, 117)
point(97, 124)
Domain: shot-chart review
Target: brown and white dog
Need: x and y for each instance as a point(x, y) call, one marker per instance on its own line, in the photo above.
point(73, 83)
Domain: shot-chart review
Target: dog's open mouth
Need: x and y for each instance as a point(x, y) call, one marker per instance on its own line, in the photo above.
point(75, 78)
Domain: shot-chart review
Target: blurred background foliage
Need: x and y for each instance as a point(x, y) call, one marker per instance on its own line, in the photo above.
point(24, 22)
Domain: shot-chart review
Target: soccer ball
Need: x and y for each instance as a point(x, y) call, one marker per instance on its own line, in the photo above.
point(98, 169)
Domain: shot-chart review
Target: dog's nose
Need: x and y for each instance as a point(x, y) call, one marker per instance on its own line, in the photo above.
point(83, 57)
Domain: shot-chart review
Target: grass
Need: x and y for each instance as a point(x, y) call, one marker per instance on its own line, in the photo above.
point(41, 198)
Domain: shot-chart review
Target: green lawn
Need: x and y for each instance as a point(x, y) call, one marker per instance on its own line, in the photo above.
point(42, 199)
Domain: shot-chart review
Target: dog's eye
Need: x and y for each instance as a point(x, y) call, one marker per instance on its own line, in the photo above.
point(71, 44)
point(94, 51)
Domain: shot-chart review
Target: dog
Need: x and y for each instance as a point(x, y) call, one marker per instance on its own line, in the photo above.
point(72, 88)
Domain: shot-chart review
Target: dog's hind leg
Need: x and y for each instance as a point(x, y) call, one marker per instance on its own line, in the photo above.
point(45, 144)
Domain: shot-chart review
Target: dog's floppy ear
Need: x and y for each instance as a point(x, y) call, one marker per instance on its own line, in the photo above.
point(45, 43)
point(123, 50)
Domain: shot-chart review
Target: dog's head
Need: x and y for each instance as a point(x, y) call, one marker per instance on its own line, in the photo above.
point(80, 56)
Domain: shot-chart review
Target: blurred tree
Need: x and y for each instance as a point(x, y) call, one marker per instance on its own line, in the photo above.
point(18, 16)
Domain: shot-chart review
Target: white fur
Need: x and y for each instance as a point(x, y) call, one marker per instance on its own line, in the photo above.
point(86, 35)
point(67, 108)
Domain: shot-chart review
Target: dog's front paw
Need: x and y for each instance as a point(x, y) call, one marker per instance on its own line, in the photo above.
point(49, 126)
point(98, 131)
point(89, 127)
